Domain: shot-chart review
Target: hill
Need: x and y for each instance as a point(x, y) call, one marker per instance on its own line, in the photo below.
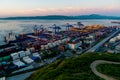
point(110, 70)
point(61, 17)
point(77, 68)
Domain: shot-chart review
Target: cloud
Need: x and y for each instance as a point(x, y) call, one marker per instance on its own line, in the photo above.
point(60, 11)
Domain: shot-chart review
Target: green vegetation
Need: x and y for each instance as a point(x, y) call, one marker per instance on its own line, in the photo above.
point(49, 53)
point(62, 17)
point(110, 70)
point(77, 68)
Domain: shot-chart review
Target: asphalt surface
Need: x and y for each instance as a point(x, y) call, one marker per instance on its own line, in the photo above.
point(94, 48)
point(97, 62)
point(20, 77)
point(25, 75)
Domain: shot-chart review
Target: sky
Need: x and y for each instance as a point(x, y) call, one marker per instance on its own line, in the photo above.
point(58, 7)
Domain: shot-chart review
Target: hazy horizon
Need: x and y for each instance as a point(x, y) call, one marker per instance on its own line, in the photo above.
point(10, 8)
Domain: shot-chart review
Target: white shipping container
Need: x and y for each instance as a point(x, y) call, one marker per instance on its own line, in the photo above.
point(27, 60)
point(21, 54)
point(14, 56)
point(27, 52)
point(18, 63)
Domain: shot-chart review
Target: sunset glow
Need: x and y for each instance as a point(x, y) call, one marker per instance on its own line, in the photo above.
point(58, 7)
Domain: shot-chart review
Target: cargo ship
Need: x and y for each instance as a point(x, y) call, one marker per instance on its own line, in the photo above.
point(24, 49)
point(115, 22)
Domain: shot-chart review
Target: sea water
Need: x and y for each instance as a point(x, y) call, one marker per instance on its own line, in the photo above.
point(26, 26)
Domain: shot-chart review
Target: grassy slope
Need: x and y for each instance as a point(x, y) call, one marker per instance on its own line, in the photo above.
point(110, 70)
point(73, 68)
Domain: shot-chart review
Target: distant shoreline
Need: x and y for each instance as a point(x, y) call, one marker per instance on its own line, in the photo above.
point(58, 19)
point(62, 17)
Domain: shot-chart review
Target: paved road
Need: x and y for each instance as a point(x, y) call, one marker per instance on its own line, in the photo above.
point(97, 62)
point(94, 48)
point(20, 77)
point(25, 75)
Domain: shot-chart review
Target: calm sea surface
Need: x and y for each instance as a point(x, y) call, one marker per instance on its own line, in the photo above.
point(18, 26)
